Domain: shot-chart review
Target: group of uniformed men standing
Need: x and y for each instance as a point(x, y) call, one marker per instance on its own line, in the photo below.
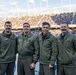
point(30, 48)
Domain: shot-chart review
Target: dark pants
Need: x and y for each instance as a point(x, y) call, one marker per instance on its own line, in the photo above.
point(66, 70)
point(23, 67)
point(0, 68)
point(7, 68)
point(44, 70)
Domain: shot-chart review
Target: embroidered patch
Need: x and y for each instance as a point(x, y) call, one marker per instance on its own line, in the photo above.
point(40, 39)
point(19, 40)
point(58, 40)
point(6, 38)
point(55, 44)
point(67, 40)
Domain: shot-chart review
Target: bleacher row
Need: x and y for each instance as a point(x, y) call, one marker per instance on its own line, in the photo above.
point(35, 21)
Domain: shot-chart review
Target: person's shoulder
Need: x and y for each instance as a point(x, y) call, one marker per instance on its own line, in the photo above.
point(57, 35)
point(39, 36)
point(0, 34)
point(51, 35)
point(13, 34)
point(33, 36)
point(20, 35)
point(71, 35)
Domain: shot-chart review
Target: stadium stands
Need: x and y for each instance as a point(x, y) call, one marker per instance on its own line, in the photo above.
point(70, 18)
point(35, 21)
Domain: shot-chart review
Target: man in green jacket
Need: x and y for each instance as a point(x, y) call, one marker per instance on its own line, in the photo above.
point(7, 50)
point(66, 51)
point(27, 50)
point(47, 50)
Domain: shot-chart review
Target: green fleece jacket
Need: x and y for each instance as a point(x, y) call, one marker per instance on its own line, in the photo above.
point(27, 46)
point(7, 48)
point(66, 48)
point(47, 49)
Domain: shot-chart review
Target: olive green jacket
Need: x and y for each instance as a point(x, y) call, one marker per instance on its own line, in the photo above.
point(47, 49)
point(27, 46)
point(66, 48)
point(7, 48)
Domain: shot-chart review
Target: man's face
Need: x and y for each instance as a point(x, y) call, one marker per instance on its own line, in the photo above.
point(64, 28)
point(45, 29)
point(74, 30)
point(8, 27)
point(26, 28)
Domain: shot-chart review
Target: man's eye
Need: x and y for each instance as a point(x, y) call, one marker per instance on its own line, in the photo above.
point(45, 27)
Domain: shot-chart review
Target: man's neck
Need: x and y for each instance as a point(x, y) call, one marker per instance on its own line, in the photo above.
point(26, 33)
point(64, 33)
point(8, 33)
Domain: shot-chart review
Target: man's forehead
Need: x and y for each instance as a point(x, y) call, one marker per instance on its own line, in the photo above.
point(8, 24)
point(26, 25)
point(45, 25)
point(74, 28)
point(63, 25)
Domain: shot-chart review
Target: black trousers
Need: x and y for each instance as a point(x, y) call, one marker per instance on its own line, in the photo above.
point(0, 68)
point(23, 66)
point(44, 70)
point(7, 68)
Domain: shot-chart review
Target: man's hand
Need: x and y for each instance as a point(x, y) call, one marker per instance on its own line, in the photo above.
point(50, 66)
point(32, 66)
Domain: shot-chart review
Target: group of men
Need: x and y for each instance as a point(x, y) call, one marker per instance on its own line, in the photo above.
point(30, 48)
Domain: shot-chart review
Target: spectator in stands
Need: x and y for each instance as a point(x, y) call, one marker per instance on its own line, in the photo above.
point(69, 17)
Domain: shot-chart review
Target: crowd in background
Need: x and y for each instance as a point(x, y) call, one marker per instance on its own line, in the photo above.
point(53, 19)
point(69, 17)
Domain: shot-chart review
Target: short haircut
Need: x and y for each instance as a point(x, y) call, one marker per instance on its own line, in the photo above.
point(26, 23)
point(65, 23)
point(8, 22)
point(46, 23)
point(74, 28)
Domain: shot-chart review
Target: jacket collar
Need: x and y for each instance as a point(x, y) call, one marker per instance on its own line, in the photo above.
point(66, 35)
point(47, 36)
point(4, 34)
point(29, 34)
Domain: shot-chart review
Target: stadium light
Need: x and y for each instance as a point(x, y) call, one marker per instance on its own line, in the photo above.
point(17, 10)
point(46, 3)
point(69, 6)
point(32, 2)
point(69, 2)
point(62, 5)
point(40, 8)
point(14, 4)
point(43, 0)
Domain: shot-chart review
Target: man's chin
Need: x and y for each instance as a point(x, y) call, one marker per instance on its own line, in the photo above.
point(64, 32)
point(26, 31)
point(44, 33)
point(8, 31)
